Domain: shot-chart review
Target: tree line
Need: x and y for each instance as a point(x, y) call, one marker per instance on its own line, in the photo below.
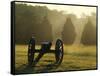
point(33, 20)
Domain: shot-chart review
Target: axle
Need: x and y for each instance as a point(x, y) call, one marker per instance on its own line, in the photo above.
point(47, 51)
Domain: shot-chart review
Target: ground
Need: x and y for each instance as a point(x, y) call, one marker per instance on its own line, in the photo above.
point(75, 58)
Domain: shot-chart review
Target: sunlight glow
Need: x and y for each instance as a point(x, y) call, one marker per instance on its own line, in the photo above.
point(67, 9)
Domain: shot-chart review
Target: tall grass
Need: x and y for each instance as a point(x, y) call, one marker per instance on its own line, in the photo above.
point(75, 58)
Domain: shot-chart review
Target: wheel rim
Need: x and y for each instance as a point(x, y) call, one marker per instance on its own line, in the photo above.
point(59, 51)
point(31, 49)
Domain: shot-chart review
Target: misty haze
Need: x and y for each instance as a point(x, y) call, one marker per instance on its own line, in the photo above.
point(46, 24)
point(74, 25)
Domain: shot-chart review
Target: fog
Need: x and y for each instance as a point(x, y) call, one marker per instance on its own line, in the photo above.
point(57, 20)
point(57, 16)
point(78, 14)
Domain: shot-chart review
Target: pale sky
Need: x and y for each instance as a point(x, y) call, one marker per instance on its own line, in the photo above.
point(68, 9)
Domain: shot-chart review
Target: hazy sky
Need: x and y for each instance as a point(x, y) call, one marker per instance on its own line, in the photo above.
point(77, 10)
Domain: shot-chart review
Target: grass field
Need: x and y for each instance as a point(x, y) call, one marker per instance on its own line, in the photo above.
point(75, 58)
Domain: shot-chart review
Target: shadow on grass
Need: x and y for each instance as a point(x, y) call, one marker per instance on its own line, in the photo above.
point(25, 69)
point(50, 67)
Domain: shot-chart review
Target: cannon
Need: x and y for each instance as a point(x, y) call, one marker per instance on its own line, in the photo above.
point(45, 48)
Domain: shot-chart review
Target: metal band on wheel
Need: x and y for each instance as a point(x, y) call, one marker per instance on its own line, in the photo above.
point(31, 51)
point(59, 51)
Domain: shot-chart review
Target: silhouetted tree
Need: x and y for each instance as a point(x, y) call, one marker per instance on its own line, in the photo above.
point(89, 34)
point(45, 32)
point(68, 33)
point(31, 20)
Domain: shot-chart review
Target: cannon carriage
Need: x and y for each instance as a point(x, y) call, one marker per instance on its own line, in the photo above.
point(45, 48)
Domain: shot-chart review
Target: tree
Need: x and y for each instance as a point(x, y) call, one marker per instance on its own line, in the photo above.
point(44, 32)
point(89, 34)
point(68, 33)
point(31, 20)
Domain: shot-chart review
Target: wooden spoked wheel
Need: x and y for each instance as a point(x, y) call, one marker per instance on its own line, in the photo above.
point(59, 51)
point(31, 51)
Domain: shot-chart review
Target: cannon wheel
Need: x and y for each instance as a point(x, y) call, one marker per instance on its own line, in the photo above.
point(31, 51)
point(59, 51)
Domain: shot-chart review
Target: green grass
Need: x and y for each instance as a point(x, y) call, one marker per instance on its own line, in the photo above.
point(75, 58)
